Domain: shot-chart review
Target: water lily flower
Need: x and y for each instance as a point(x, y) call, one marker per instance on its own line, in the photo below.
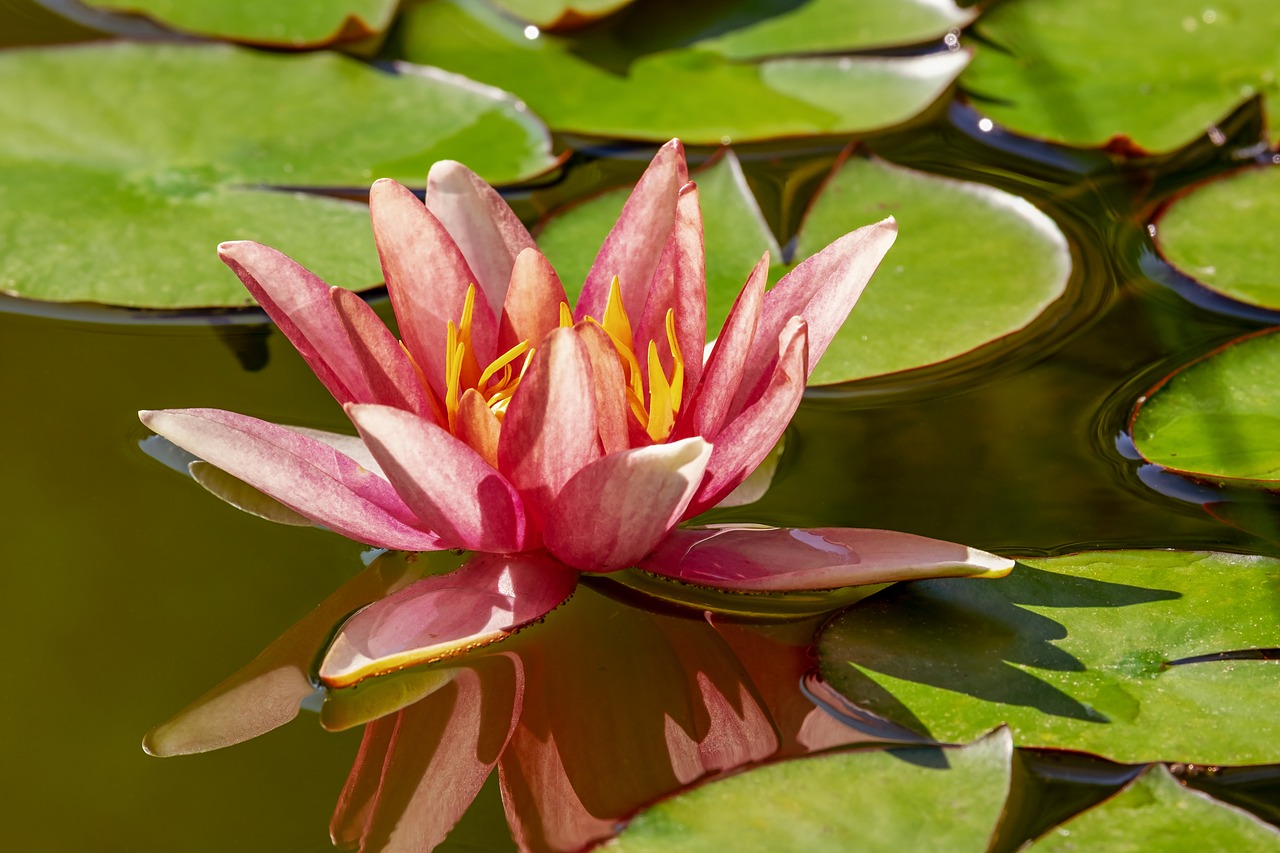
point(556, 439)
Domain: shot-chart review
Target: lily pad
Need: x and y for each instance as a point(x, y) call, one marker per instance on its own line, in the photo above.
point(561, 14)
point(706, 75)
point(1156, 812)
point(115, 189)
point(292, 23)
point(971, 264)
point(891, 800)
point(1085, 652)
point(1086, 71)
point(1218, 418)
point(1222, 234)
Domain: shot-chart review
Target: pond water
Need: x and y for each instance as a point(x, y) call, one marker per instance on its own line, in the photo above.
point(134, 591)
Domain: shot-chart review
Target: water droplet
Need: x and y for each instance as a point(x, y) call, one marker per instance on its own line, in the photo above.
point(985, 125)
point(531, 32)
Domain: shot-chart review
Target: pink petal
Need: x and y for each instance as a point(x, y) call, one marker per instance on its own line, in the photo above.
point(484, 227)
point(427, 278)
point(680, 284)
point(723, 372)
point(634, 245)
point(298, 303)
point(550, 430)
point(302, 473)
point(617, 509)
point(745, 442)
point(446, 483)
point(823, 290)
point(266, 693)
point(387, 370)
point(442, 616)
point(532, 306)
point(783, 558)
point(609, 383)
point(414, 778)
point(478, 426)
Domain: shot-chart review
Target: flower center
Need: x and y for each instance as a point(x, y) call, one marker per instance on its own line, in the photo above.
point(496, 383)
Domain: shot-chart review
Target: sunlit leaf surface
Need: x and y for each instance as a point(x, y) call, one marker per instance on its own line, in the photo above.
point(1219, 417)
point(1222, 234)
point(566, 14)
point(1077, 652)
point(293, 23)
point(907, 799)
point(1085, 71)
point(971, 263)
point(113, 189)
point(705, 74)
point(1156, 812)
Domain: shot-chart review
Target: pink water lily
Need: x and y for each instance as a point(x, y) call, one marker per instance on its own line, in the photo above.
point(559, 439)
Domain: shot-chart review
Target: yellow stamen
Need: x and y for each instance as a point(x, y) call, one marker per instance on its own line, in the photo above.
point(661, 410)
point(677, 369)
point(616, 322)
point(503, 363)
point(566, 316)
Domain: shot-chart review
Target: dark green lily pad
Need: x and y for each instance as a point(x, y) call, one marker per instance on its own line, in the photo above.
point(292, 23)
point(1222, 234)
point(1085, 71)
point(1077, 653)
point(894, 800)
point(122, 166)
point(971, 263)
point(671, 69)
point(1218, 418)
point(1156, 812)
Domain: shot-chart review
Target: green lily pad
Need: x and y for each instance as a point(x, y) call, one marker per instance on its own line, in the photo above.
point(561, 14)
point(1156, 812)
point(1085, 71)
point(891, 800)
point(1218, 418)
point(292, 23)
point(1077, 652)
point(971, 263)
point(122, 166)
point(1222, 234)
point(654, 72)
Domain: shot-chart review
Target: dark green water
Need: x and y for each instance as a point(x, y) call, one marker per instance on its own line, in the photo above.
point(134, 591)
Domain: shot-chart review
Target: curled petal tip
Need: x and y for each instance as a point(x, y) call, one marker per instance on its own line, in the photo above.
point(988, 565)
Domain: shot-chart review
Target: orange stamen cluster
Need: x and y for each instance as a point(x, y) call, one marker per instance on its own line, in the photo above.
point(496, 383)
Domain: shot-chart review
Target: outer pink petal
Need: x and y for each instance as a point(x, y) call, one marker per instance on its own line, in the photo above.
point(298, 302)
point(446, 483)
point(680, 283)
point(634, 246)
point(617, 509)
point(533, 300)
point(442, 616)
point(489, 234)
point(745, 442)
point(550, 431)
point(785, 558)
point(822, 290)
point(387, 370)
point(304, 474)
point(427, 278)
point(416, 777)
point(723, 373)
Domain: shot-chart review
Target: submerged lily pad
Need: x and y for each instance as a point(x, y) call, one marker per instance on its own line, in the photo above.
point(705, 75)
point(971, 264)
point(1156, 812)
point(891, 800)
point(1085, 71)
point(1222, 234)
point(122, 166)
point(1218, 418)
point(1083, 652)
point(292, 23)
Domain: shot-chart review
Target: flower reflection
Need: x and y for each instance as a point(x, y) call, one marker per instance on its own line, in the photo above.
point(586, 718)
